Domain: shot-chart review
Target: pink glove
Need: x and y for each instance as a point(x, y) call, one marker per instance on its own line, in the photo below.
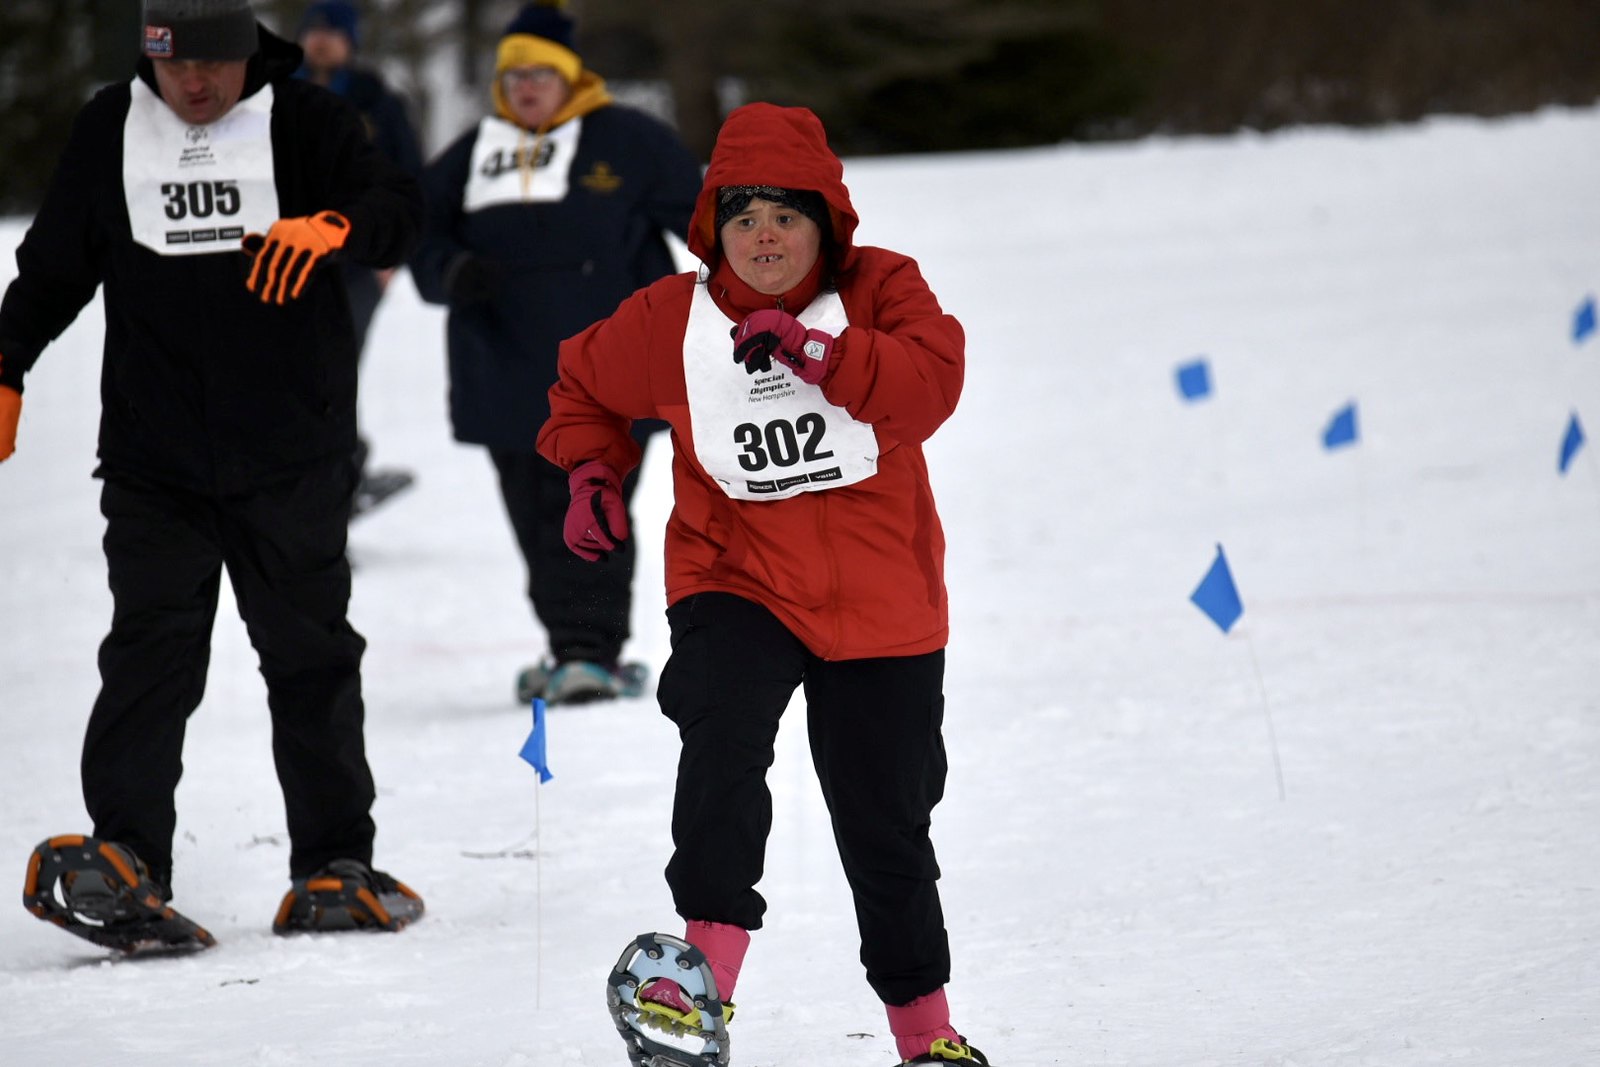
point(597, 518)
point(770, 332)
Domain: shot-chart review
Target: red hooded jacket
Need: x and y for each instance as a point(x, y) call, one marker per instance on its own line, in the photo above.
point(856, 570)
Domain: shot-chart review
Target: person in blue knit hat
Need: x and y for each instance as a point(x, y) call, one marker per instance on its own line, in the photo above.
point(540, 219)
point(330, 35)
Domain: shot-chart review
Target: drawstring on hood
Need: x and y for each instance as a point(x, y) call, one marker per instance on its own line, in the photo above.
point(588, 95)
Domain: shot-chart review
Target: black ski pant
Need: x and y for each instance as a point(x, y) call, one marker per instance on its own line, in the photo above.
point(283, 548)
point(584, 607)
point(876, 744)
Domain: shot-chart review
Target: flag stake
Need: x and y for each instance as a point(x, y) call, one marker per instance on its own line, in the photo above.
point(533, 752)
point(538, 900)
point(1594, 469)
point(1266, 708)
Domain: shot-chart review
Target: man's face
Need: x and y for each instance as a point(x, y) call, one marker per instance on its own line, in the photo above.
point(200, 91)
point(325, 49)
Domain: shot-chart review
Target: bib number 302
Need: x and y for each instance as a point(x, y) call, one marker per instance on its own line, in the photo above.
point(200, 200)
point(781, 443)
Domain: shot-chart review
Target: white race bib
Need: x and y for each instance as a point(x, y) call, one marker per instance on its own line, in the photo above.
point(197, 189)
point(511, 165)
point(768, 436)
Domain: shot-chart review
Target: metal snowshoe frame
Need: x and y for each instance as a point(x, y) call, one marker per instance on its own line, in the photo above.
point(652, 1040)
point(130, 917)
point(352, 898)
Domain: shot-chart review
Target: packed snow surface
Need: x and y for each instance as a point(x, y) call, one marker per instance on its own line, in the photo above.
point(1124, 881)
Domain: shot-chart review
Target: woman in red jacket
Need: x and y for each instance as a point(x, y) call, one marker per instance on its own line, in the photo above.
point(803, 549)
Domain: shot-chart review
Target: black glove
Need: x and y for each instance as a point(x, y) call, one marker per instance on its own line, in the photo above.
point(754, 351)
point(471, 279)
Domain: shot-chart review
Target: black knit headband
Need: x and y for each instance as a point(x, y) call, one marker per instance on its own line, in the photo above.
point(734, 199)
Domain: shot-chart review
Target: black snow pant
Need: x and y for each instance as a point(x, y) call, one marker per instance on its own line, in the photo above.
point(876, 743)
point(283, 547)
point(584, 607)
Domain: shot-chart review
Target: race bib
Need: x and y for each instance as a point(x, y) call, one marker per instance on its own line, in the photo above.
point(768, 436)
point(510, 165)
point(197, 189)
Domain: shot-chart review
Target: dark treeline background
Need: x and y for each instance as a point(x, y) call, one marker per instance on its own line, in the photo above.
point(909, 75)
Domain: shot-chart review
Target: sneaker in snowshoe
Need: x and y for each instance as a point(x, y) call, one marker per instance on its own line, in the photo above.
point(102, 892)
point(347, 895)
point(663, 999)
point(581, 682)
point(947, 1051)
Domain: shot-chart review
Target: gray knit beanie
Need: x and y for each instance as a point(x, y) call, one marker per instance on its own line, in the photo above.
point(199, 29)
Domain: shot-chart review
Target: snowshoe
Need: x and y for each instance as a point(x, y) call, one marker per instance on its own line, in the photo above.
point(581, 682)
point(663, 1000)
point(347, 895)
point(102, 892)
point(946, 1051)
point(376, 487)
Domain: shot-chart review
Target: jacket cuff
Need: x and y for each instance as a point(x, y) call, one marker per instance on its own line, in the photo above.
point(11, 373)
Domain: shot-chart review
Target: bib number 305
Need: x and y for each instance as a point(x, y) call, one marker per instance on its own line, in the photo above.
point(781, 443)
point(200, 200)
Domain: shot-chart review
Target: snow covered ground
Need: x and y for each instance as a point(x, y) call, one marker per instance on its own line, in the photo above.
point(1420, 653)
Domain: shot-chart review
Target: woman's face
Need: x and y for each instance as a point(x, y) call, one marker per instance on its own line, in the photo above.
point(535, 94)
point(771, 247)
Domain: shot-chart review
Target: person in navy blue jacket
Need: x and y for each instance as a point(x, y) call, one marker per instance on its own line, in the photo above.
point(540, 220)
point(330, 35)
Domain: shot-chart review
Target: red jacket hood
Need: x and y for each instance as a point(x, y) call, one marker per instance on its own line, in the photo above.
point(763, 144)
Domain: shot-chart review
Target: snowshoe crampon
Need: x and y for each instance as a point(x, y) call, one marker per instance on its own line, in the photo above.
point(101, 892)
point(694, 1037)
point(347, 895)
point(951, 1053)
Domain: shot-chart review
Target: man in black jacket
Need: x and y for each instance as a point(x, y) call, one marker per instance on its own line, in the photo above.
point(228, 398)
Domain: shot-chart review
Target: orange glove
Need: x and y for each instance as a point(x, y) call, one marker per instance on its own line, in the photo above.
point(291, 249)
point(10, 412)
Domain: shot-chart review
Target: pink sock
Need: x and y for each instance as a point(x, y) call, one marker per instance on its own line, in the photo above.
point(916, 1026)
point(723, 945)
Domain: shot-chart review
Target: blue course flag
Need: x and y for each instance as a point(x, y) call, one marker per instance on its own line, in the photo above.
point(1583, 321)
point(533, 747)
point(1341, 429)
point(1217, 596)
point(1570, 443)
point(1194, 379)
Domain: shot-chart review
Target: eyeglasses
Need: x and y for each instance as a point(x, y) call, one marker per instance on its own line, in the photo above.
point(531, 76)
